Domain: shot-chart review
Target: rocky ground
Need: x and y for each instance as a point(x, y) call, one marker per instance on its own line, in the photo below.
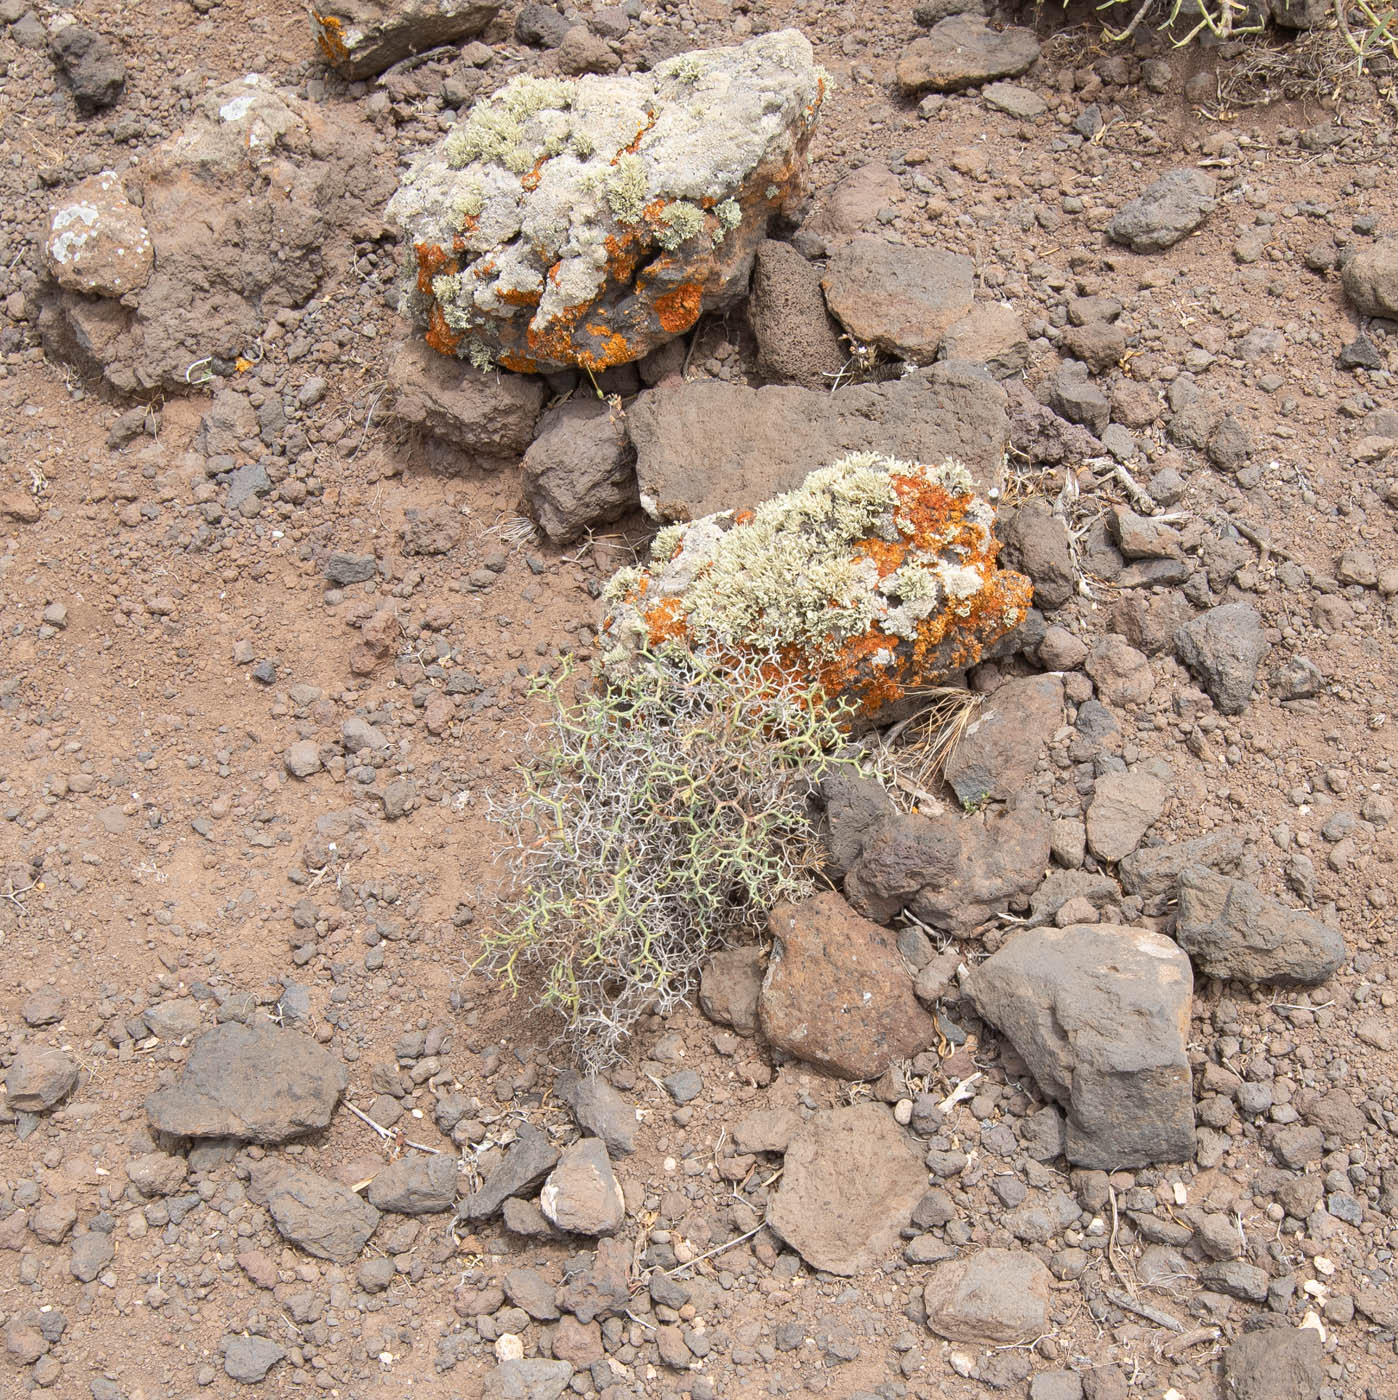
point(272, 616)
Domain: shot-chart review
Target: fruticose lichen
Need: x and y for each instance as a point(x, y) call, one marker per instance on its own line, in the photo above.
point(873, 576)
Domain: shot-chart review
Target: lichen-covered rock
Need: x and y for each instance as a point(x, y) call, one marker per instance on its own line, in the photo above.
point(871, 577)
point(586, 222)
point(238, 205)
point(97, 241)
point(362, 37)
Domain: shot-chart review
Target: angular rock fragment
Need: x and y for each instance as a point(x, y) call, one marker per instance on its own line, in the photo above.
point(1232, 931)
point(587, 222)
point(316, 1214)
point(990, 334)
point(237, 204)
point(1165, 211)
point(992, 1296)
point(39, 1077)
point(257, 1083)
point(97, 243)
point(1100, 1014)
point(1275, 1363)
point(1003, 745)
point(849, 1184)
point(360, 38)
point(527, 1161)
point(1153, 871)
point(703, 446)
point(415, 1185)
point(730, 984)
point(872, 577)
point(247, 1360)
point(897, 299)
point(963, 51)
point(579, 470)
point(601, 1287)
point(837, 993)
point(1224, 648)
point(582, 1194)
point(529, 1378)
point(952, 872)
point(1125, 805)
point(599, 1110)
point(490, 417)
point(92, 63)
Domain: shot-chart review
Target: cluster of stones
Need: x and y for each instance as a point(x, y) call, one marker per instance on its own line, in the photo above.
point(872, 577)
point(583, 223)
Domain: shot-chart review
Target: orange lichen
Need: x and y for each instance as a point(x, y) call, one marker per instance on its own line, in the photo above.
point(440, 336)
point(432, 261)
point(745, 516)
point(613, 348)
point(677, 311)
point(665, 622)
point(623, 254)
point(330, 37)
point(530, 180)
point(519, 296)
point(888, 555)
point(634, 144)
point(521, 364)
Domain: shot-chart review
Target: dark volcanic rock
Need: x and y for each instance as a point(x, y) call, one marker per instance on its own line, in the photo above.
point(1230, 930)
point(797, 341)
point(360, 38)
point(1223, 648)
point(316, 1214)
point(1100, 1014)
point(1275, 1363)
point(578, 471)
point(1003, 745)
point(1166, 211)
point(92, 64)
point(963, 51)
point(527, 1161)
point(837, 993)
point(849, 1184)
point(256, 1082)
point(708, 446)
point(992, 1296)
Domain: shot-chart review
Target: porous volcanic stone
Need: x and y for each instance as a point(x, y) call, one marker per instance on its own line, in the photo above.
point(93, 65)
point(415, 1185)
point(489, 416)
point(360, 38)
point(258, 1083)
point(837, 993)
point(707, 446)
point(849, 1184)
point(599, 1110)
point(729, 986)
point(1125, 805)
point(1100, 1014)
point(798, 577)
point(951, 871)
point(1003, 745)
point(992, 1296)
point(1370, 278)
point(316, 1214)
point(1224, 648)
point(1275, 1363)
point(248, 1359)
point(527, 1161)
point(897, 299)
point(97, 243)
point(1164, 212)
point(578, 471)
point(587, 222)
point(529, 1378)
point(963, 51)
point(1231, 930)
point(237, 203)
point(797, 341)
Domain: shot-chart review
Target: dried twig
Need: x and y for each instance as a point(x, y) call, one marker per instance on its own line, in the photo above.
point(388, 1134)
point(1146, 1310)
point(962, 1091)
point(717, 1249)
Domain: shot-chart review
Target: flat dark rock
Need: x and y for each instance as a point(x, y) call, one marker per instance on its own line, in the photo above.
point(257, 1083)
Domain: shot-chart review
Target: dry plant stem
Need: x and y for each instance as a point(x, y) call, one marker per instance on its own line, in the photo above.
point(717, 1249)
point(1146, 1310)
point(1111, 1244)
point(1183, 1343)
point(388, 1134)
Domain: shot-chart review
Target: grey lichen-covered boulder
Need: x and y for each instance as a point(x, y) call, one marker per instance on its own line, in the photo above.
point(1100, 1014)
point(235, 209)
point(586, 222)
point(872, 577)
point(362, 37)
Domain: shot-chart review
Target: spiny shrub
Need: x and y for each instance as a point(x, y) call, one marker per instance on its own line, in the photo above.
point(662, 814)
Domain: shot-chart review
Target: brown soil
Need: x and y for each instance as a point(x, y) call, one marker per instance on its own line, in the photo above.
point(154, 846)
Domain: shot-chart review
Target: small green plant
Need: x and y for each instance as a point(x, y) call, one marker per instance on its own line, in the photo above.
point(662, 816)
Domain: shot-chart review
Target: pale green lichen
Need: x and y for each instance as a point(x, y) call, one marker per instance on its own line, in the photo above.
point(680, 222)
point(494, 131)
point(446, 286)
point(621, 583)
point(730, 213)
point(582, 144)
point(479, 354)
point(470, 200)
point(526, 95)
point(627, 189)
point(687, 69)
point(666, 544)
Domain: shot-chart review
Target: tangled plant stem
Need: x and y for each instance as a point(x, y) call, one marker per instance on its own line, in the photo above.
point(662, 816)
